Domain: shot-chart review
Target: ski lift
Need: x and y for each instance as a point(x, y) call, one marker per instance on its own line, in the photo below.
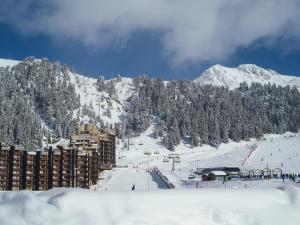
point(173, 155)
point(165, 160)
point(191, 176)
point(177, 160)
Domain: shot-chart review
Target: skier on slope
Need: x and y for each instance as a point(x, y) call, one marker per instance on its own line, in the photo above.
point(133, 187)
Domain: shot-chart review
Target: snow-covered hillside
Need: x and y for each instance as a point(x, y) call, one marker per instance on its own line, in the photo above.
point(8, 62)
point(85, 86)
point(231, 77)
point(104, 106)
point(217, 75)
point(100, 101)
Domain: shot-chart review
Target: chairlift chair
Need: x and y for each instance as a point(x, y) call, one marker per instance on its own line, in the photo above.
point(165, 160)
point(192, 177)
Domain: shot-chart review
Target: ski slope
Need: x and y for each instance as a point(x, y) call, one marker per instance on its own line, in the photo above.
point(277, 151)
point(123, 179)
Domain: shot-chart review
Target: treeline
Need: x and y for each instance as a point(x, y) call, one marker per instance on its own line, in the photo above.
point(33, 93)
point(211, 115)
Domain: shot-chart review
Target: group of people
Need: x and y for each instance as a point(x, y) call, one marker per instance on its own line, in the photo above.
point(291, 177)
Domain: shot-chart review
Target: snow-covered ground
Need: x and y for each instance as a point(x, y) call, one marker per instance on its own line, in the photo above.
point(166, 207)
point(123, 179)
point(277, 152)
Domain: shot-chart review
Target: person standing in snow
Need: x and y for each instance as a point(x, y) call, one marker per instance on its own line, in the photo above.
point(133, 187)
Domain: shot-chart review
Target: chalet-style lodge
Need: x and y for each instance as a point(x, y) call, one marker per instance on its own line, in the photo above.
point(77, 165)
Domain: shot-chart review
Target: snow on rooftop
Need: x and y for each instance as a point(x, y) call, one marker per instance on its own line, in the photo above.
point(218, 173)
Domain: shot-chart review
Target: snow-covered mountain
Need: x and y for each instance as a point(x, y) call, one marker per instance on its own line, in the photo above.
point(232, 77)
point(61, 99)
point(216, 75)
point(98, 102)
point(8, 62)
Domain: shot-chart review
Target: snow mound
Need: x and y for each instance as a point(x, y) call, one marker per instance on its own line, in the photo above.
point(232, 77)
point(207, 207)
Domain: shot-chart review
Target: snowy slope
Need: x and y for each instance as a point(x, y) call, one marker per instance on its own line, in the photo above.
point(86, 88)
point(274, 149)
point(231, 77)
point(122, 179)
point(277, 151)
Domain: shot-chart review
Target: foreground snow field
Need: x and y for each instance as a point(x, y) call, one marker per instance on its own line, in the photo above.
point(182, 207)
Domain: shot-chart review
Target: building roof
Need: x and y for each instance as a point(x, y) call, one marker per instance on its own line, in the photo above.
point(218, 173)
point(203, 171)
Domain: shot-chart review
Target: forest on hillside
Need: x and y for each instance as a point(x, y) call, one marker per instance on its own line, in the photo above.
point(36, 96)
point(38, 101)
point(209, 114)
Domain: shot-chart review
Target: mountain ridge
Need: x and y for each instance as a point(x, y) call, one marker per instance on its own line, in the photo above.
point(217, 75)
point(61, 100)
point(231, 77)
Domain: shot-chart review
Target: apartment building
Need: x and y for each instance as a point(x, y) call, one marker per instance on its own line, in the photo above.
point(23, 170)
point(90, 140)
point(78, 165)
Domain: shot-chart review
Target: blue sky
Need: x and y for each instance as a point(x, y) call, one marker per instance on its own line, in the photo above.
point(158, 47)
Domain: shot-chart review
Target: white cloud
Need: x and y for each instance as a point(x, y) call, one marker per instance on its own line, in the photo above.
point(191, 30)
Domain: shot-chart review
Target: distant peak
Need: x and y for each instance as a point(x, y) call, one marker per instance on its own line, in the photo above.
point(218, 66)
point(217, 69)
point(232, 77)
point(8, 62)
point(248, 66)
point(252, 68)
